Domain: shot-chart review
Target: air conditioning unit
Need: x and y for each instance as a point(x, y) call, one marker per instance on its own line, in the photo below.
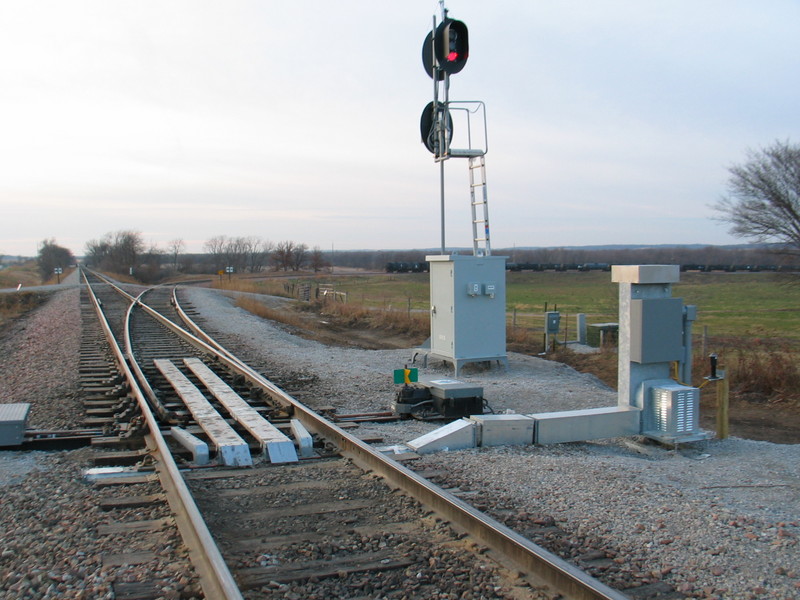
point(672, 412)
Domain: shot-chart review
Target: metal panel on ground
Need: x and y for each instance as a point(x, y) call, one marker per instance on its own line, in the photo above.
point(230, 446)
point(279, 447)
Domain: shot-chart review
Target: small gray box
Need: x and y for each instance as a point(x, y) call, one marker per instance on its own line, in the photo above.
point(656, 330)
point(13, 421)
point(500, 430)
point(445, 388)
point(553, 321)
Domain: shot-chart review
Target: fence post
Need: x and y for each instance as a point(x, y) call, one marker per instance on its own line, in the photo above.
point(581, 325)
point(723, 389)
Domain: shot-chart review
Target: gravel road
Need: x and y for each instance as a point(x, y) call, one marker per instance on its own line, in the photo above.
point(719, 519)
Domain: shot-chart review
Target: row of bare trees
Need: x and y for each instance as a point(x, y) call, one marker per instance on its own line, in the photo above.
point(253, 255)
point(118, 251)
point(126, 252)
point(244, 254)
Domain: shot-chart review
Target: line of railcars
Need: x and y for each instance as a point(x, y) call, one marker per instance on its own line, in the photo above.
point(424, 267)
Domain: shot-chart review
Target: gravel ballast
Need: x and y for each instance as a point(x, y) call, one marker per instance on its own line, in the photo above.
point(50, 516)
point(718, 519)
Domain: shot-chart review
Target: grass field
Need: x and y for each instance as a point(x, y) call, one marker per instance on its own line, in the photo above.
point(752, 320)
point(763, 305)
point(760, 305)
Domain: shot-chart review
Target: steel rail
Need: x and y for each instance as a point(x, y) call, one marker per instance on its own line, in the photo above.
point(541, 564)
point(215, 577)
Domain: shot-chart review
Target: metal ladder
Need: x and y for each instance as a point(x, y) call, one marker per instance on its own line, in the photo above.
point(480, 223)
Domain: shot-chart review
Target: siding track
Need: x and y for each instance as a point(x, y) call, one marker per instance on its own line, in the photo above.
point(347, 521)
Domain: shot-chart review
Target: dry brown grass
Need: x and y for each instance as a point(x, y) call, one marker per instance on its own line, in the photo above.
point(766, 371)
point(387, 319)
point(602, 365)
point(26, 274)
point(270, 287)
point(13, 305)
point(757, 371)
point(254, 306)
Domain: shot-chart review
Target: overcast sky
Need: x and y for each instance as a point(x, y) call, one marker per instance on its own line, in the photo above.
point(609, 121)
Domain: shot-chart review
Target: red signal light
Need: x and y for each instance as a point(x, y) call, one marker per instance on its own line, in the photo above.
point(451, 45)
point(446, 50)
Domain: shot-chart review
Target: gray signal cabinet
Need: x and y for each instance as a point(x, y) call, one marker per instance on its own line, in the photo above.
point(468, 309)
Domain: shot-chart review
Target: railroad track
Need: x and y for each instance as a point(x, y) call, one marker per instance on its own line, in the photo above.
point(282, 502)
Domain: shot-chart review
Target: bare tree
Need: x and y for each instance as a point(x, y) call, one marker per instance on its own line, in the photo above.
point(317, 260)
point(126, 247)
point(299, 256)
point(97, 252)
point(216, 248)
point(236, 251)
point(258, 252)
point(175, 248)
point(763, 204)
point(51, 256)
point(282, 255)
point(149, 268)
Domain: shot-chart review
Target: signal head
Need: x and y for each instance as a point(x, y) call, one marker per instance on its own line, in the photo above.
point(451, 45)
